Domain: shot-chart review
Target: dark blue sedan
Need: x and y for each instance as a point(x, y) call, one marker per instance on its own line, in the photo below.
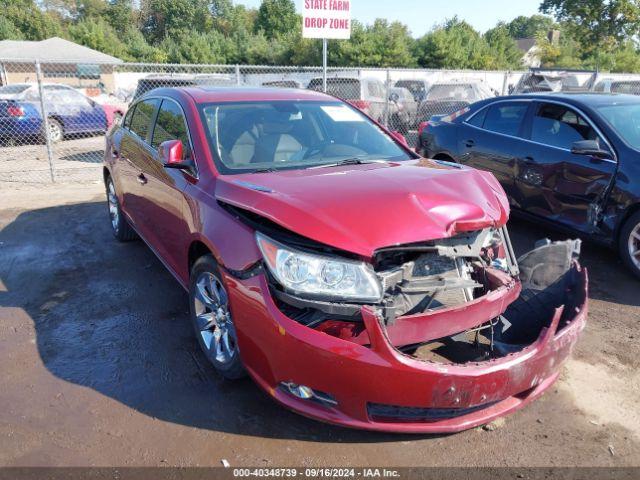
point(68, 112)
point(569, 159)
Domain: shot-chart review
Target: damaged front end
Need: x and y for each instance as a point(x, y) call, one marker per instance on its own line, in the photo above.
point(437, 336)
point(457, 300)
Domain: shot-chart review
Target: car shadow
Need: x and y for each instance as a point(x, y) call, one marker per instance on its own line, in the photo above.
point(93, 156)
point(109, 317)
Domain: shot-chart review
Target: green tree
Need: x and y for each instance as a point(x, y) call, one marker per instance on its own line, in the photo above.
point(189, 47)
point(99, 35)
point(382, 44)
point(32, 22)
point(599, 26)
point(162, 18)
point(90, 9)
point(8, 31)
point(505, 53)
point(455, 44)
point(119, 14)
point(529, 27)
point(277, 18)
point(139, 50)
point(566, 54)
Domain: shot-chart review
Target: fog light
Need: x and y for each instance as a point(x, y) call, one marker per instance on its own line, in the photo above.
point(299, 391)
point(307, 393)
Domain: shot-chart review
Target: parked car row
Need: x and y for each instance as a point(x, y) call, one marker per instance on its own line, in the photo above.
point(68, 112)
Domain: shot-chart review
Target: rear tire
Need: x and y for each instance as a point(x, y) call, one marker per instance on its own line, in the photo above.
point(211, 318)
point(629, 244)
point(119, 224)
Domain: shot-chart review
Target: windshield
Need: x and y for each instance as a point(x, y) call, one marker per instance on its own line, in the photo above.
point(625, 87)
point(414, 86)
point(451, 92)
point(625, 120)
point(252, 136)
point(13, 89)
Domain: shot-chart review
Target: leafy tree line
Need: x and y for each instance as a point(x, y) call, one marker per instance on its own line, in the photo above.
point(599, 33)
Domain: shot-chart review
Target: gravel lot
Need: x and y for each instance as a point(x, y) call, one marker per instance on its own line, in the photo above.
point(99, 366)
point(74, 159)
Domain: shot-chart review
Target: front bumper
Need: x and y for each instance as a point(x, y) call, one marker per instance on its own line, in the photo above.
point(379, 388)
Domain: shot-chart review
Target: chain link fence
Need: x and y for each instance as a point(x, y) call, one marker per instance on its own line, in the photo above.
point(53, 116)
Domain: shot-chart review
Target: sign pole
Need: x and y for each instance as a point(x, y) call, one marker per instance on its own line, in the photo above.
point(324, 65)
point(324, 19)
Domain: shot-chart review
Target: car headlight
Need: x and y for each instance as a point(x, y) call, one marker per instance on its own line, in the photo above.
point(314, 275)
point(494, 250)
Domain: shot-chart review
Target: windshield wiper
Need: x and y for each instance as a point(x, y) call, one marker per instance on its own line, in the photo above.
point(264, 170)
point(348, 161)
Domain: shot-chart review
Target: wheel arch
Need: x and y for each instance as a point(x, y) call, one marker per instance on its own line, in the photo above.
point(198, 249)
point(628, 213)
point(57, 118)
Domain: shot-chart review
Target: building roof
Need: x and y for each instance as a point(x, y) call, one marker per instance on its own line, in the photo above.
point(526, 44)
point(52, 49)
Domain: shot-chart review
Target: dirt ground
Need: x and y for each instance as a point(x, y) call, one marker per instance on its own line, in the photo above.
point(99, 366)
point(74, 159)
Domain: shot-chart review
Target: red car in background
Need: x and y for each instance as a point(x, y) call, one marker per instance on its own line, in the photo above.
point(353, 281)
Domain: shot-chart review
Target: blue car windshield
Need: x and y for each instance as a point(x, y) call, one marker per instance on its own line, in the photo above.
point(625, 120)
point(273, 135)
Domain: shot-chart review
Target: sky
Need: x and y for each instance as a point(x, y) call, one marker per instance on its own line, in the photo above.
point(421, 15)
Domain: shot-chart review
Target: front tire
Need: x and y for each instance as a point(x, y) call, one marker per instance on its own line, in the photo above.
point(629, 244)
point(212, 320)
point(119, 224)
point(56, 131)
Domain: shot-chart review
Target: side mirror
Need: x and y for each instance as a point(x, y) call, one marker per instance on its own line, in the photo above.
point(399, 137)
point(394, 97)
point(590, 148)
point(171, 155)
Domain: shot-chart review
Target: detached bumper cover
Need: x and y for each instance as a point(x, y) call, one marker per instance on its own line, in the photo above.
point(379, 388)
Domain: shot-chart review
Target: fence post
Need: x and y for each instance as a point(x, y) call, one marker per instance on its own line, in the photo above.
point(238, 80)
point(45, 121)
point(386, 99)
point(324, 65)
point(505, 82)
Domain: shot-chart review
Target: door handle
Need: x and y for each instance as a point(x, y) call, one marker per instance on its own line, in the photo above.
point(142, 180)
point(470, 143)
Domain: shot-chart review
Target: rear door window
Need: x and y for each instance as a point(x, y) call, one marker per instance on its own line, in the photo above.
point(478, 119)
point(505, 118)
point(142, 117)
point(559, 126)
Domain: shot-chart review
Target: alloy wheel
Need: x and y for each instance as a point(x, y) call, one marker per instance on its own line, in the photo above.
point(634, 246)
point(55, 131)
point(114, 212)
point(213, 319)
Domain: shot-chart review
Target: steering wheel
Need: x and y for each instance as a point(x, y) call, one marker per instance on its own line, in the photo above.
point(315, 149)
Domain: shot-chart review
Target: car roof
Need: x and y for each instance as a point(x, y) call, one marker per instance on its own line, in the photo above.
point(206, 94)
point(590, 99)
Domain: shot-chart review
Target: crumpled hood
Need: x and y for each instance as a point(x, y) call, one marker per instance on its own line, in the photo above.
point(362, 208)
